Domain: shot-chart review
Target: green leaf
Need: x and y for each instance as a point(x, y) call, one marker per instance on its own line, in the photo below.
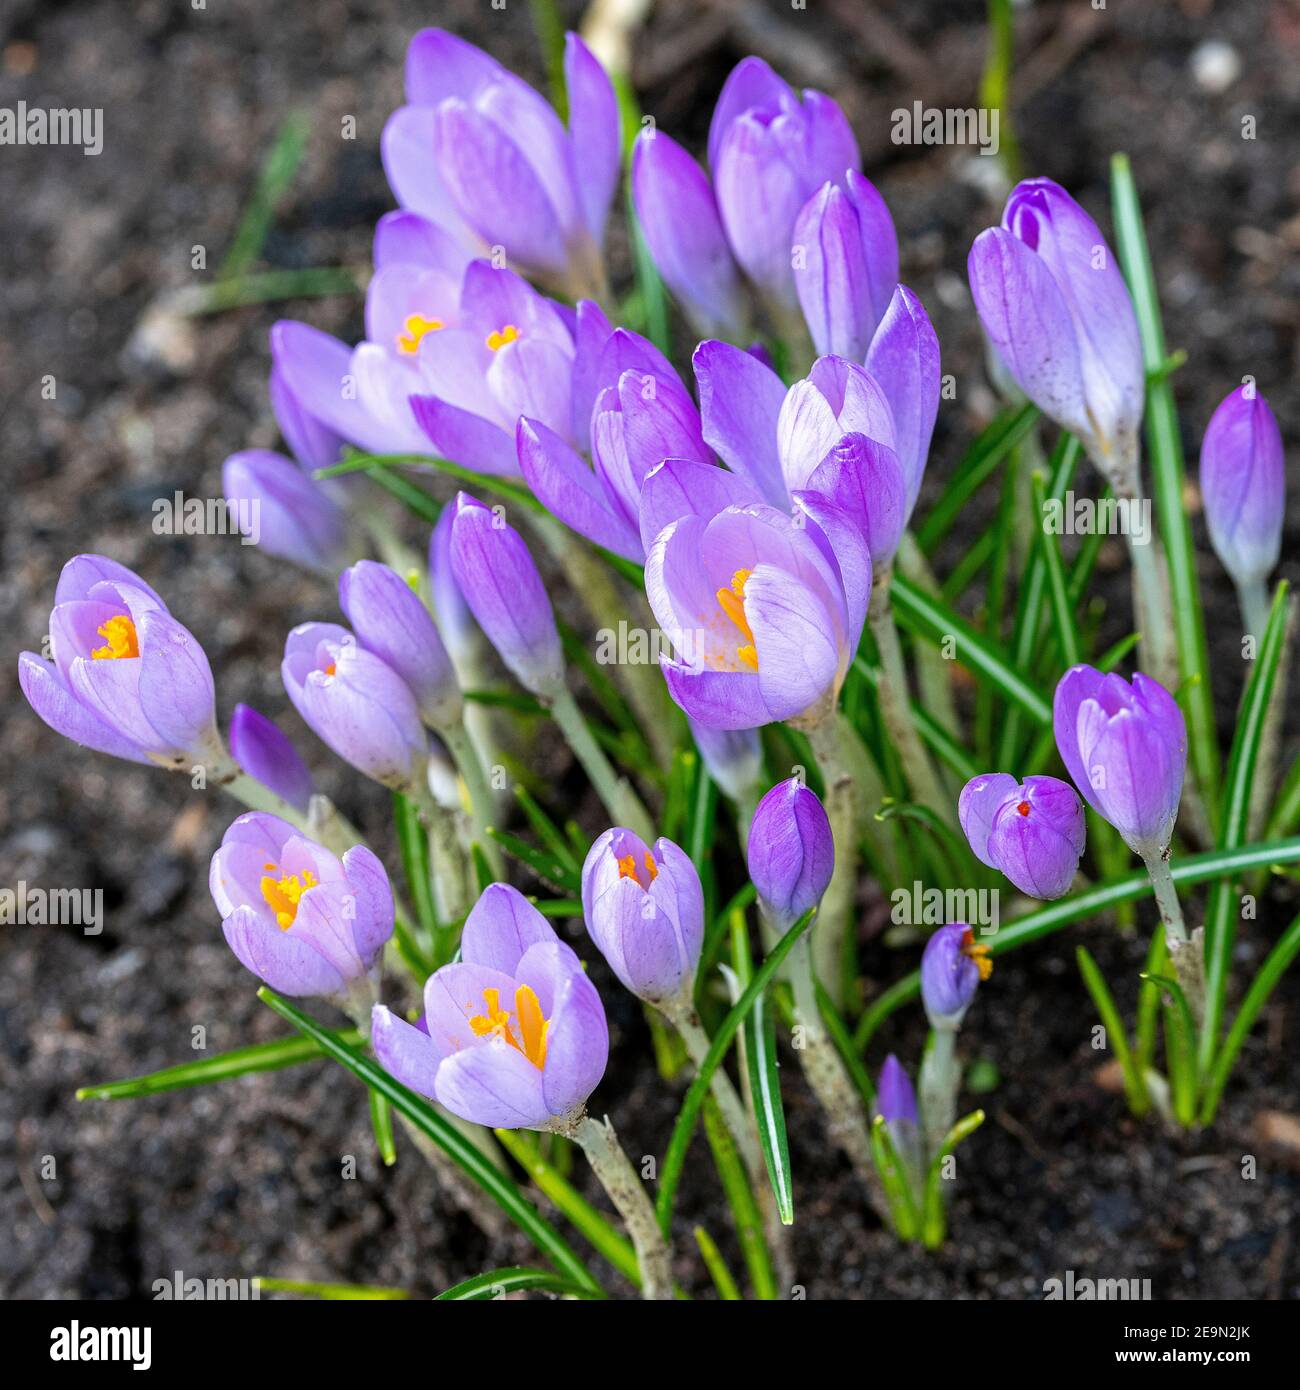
point(1192, 868)
point(354, 1293)
point(723, 1280)
point(1135, 1083)
point(939, 740)
point(1220, 917)
point(1275, 964)
point(930, 619)
point(764, 1079)
point(675, 1158)
point(744, 1210)
point(243, 1061)
point(934, 1220)
point(495, 1283)
point(476, 1166)
point(381, 1121)
point(377, 464)
point(548, 867)
point(413, 845)
point(1181, 1036)
point(1067, 632)
point(273, 182)
point(1164, 445)
point(311, 282)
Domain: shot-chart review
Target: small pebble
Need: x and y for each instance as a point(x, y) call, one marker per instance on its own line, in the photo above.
point(1215, 66)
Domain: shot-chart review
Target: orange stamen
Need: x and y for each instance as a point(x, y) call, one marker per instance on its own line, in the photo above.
point(121, 640)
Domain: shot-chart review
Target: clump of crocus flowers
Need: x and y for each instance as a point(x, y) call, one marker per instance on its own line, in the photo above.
point(795, 748)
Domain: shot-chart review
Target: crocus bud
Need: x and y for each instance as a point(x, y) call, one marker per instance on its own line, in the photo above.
point(1032, 831)
point(895, 1097)
point(282, 510)
point(1125, 747)
point(733, 757)
point(266, 753)
point(455, 621)
point(644, 909)
point(791, 852)
point(845, 264)
point(1055, 306)
point(514, 1034)
point(390, 620)
point(302, 920)
point(1244, 487)
point(952, 965)
point(354, 702)
point(126, 677)
point(505, 593)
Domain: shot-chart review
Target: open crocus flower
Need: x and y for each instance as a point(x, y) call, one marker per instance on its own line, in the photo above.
point(952, 966)
point(355, 703)
point(765, 612)
point(1243, 484)
point(299, 519)
point(644, 909)
point(515, 1034)
point(1032, 831)
point(126, 677)
point(1055, 307)
point(1124, 745)
point(769, 152)
point(479, 153)
point(301, 919)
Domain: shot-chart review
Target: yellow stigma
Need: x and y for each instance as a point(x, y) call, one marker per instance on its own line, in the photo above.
point(531, 1036)
point(417, 327)
point(732, 603)
point(282, 894)
point(977, 952)
point(627, 869)
point(120, 636)
point(497, 340)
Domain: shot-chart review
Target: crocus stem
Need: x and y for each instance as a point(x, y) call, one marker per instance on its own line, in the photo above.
point(843, 804)
point(1267, 762)
point(1151, 610)
point(828, 1077)
point(919, 771)
point(589, 577)
point(940, 1076)
point(615, 792)
point(1185, 951)
point(1253, 598)
point(470, 765)
point(617, 1176)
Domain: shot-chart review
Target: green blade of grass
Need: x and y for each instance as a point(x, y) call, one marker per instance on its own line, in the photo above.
point(1164, 445)
point(242, 1061)
point(723, 1279)
point(381, 1122)
point(496, 1283)
point(1192, 868)
point(934, 1221)
point(1220, 920)
point(475, 1165)
point(1135, 1083)
point(273, 182)
point(1067, 630)
point(740, 1198)
point(352, 1293)
point(675, 1158)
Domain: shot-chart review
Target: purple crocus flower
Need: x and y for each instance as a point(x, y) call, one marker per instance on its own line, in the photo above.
point(390, 620)
point(479, 153)
point(1055, 306)
point(500, 582)
point(895, 1096)
point(845, 265)
point(126, 678)
point(769, 152)
point(298, 519)
point(515, 1034)
point(1243, 485)
point(790, 851)
point(455, 621)
point(1125, 747)
point(356, 703)
point(644, 909)
point(266, 753)
point(733, 757)
point(1032, 831)
point(765, 612)
point(301, 919)
point(952, 966)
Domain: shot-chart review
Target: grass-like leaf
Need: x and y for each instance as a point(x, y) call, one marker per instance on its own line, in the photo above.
point(496, 1283)
point(350, 1293)
point(1135, 1083)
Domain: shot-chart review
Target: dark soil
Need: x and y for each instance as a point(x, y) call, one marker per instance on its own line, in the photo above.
point(244, 1179)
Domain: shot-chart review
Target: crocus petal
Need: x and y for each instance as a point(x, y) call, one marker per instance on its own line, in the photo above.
point(980, 800)
point(407, 238)
point(790, 851)
point(865, 479)
point(749, 84)
point(286, 961)
point(66, 714)
point(1079, 683)
point(501, 927)
point(176, 691)
point(295, 518)
point(577, 1050)
point(741, 403)
point(494, 1085)
point(595, 128)
point(82, 573)
point(265, 752)
point(464, 438)
point(718, 699)
point(406, 1053)
point(1243, 485)
point(373, 902)
point(949, 977)
point(683, 487)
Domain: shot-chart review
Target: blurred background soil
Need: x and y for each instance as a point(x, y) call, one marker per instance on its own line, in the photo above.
point(244, 1178)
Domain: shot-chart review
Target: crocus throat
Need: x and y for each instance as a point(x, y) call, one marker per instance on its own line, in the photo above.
point(417, 328)
point(527, 1035)
point(1023, 808)
point(120, 640)
point(627, 868)
point(282, 894)
point(498, 338)
point(732, 603)
point(977, 952)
